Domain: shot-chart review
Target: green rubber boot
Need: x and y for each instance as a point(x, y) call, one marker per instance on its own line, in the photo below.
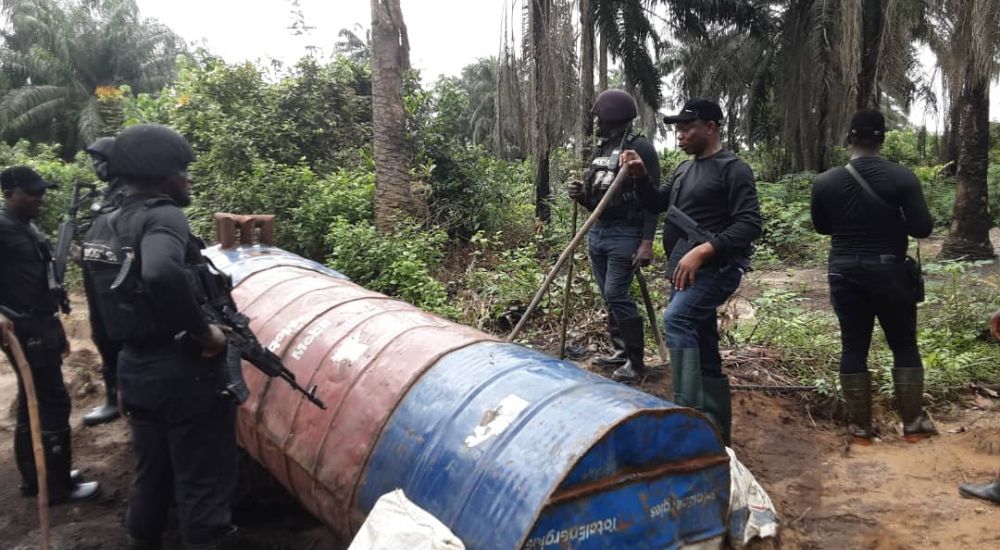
point(909, 386)
point(685, 369)
point(858, 399)
point(718, 405)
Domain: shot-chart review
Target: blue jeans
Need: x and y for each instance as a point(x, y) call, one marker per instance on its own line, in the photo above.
point(611, 248)
point(690, 320)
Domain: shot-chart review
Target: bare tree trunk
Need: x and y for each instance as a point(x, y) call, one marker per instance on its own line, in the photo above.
point(970, 225)
point(586, 77)
point(391, 59)
point(541, 11)
point(872, 12)
point(602, 67)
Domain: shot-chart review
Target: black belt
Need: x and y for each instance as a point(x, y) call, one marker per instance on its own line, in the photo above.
point(868, 258)
point(617, 222)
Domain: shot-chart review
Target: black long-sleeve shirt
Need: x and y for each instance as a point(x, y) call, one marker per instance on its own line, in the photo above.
point(719, 193)
point(841, 208)
point(24, 257)
point(163, 253)
point(625, 206)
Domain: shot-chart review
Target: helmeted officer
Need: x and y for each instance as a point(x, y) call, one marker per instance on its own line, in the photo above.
point(183, 431)
point(100, 152)
point(30, 298)
point(622, 239)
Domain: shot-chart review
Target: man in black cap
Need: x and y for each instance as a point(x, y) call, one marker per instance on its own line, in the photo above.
point(183, 431)
point(869, 207)
point(100, 153)
point(30, 301)
point(713, 216)
point(622, 239)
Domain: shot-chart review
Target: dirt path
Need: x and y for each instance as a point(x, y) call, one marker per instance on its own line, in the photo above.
point(887, 496)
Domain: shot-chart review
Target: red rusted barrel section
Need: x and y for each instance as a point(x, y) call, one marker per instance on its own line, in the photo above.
point(362, 350)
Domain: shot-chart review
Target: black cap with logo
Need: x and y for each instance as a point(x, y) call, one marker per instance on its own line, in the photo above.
point(24, 178)
point(697, 109)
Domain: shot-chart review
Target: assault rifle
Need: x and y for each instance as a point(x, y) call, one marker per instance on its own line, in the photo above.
point(220, 309)
point(696, 235)
point(67, 229)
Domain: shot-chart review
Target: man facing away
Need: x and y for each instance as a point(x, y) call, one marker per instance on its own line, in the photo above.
point(867, 272)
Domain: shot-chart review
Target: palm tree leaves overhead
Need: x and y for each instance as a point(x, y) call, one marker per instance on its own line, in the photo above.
point(57, 54)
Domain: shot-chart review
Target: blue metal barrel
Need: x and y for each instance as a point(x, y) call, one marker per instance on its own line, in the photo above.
point(514, 449)
point(508, 447)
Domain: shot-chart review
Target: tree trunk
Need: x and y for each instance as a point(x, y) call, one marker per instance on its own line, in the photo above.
point(872, 12)
point(970, 226)
point(390, 60)
point(602, 67)
point(541, 11)
point(586, 77)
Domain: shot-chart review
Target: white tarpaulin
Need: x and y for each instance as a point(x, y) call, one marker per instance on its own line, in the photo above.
point(751, 513)
point(396, 523)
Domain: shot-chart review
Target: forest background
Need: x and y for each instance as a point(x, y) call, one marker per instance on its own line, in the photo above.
point(450, 195)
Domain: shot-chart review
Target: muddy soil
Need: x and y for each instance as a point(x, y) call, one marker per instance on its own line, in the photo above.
point(828, 494)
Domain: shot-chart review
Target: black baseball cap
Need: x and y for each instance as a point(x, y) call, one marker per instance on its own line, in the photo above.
point(697, 109)
point(868, 123)
point(24, 178)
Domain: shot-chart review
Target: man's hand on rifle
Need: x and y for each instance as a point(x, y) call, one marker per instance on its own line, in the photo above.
point(686, 270)
point(212, 342)
point(644, 254)
point(631, 162)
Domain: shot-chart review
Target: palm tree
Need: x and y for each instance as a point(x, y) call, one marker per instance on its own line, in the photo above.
point(390, 61)
point(968, 42)
point(69, 62)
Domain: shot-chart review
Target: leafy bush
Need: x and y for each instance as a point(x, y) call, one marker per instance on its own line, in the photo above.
point(401, 264)
point(788, 234)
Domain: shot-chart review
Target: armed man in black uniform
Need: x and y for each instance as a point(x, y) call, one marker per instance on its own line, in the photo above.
point(100, 152)
point(30, 299)
point(622, 239)
point(713, 216)
point(140, 259)
point(869, 207)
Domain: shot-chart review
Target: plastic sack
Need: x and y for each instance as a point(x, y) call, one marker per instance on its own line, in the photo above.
point(751, 513)
point(395, 522)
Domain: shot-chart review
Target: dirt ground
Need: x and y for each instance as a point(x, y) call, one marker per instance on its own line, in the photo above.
point(828, 494)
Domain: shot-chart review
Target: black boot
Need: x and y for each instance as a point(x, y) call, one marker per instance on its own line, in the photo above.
point(618, 357)
point(909, 386)
point(686, 380)
point(986, 491)
point(635, 347)
point(24, 455)
point(228, 540)
point(142, 544)
point(718, 404)
point(106, 412)
point(58, 458)
point(858, 400)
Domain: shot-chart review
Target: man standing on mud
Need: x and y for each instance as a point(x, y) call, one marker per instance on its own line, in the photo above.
point(30, 300)
point(713, 216)
point(140, 259)
point(622, 239)
point(869, 207)
point(100, 151)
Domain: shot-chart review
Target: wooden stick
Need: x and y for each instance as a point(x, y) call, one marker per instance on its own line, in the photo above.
point(569, 283)
point(568, 253)
point(651, 312)
point(22, 366)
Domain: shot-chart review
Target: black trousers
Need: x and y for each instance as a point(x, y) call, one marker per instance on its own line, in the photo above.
point(863, 288)
point(184, 438)
point(43, 341)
